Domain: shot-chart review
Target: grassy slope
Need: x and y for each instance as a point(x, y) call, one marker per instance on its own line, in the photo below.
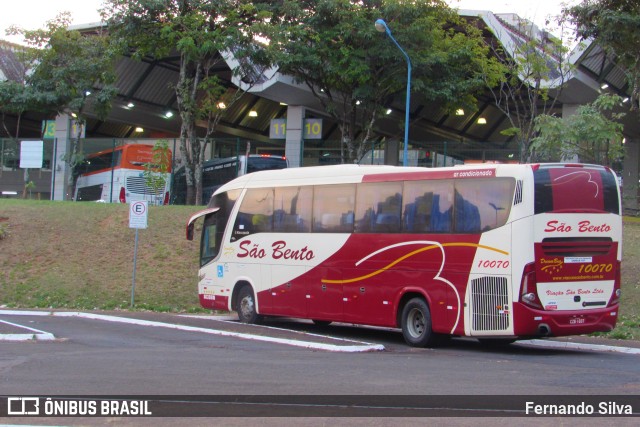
point(80, 255)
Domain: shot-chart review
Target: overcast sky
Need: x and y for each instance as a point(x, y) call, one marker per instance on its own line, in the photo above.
point(33, 14)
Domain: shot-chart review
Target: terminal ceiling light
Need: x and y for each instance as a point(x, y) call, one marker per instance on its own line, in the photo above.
point(459, 112)
point(603, 86)
point(168, 114)
point(482, 121)
point(253, 113)
point(131, 105)
point(139, 129)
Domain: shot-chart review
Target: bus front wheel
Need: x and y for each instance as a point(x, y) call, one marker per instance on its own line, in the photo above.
point(416, 323)
point(246, 306)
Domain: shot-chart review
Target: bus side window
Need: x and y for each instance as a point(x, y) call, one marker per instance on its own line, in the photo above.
point(378, 207)
point(482, 204)
point(333, 207)
point(428, 206)
point(255, 214)
point(292, 209)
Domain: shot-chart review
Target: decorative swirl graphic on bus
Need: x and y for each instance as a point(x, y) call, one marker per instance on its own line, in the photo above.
point(573, 176)
point(428, 245)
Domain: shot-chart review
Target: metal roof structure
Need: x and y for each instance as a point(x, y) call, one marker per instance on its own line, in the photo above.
point(146, 94)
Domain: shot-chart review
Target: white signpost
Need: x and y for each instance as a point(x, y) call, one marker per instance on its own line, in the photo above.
point(138, 218)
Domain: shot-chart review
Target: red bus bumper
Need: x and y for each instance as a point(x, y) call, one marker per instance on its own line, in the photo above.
point(529, 322)
point(214, 302)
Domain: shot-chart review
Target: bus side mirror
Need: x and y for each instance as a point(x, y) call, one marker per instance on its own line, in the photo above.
point(194, 217)
point(190, 231)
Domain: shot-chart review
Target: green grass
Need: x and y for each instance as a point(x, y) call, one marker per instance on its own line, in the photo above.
point(80, 256)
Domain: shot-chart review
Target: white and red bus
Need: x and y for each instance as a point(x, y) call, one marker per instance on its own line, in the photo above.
point(117, 175)
point(496, 252)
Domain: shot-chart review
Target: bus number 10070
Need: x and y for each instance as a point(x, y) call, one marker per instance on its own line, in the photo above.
point(493, 264)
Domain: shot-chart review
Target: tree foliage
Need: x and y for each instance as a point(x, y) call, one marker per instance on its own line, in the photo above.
point(14, 93)
point(65, 72)
point(200, 33)
point(535, 70)
point(615, 25)
point(155, 172)
point(355, 72)
point(593, 134)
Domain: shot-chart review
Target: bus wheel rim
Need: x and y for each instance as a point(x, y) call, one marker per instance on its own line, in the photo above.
point(416, 324)
point(246, 305)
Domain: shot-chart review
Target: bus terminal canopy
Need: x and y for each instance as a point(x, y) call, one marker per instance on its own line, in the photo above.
point(146, 95)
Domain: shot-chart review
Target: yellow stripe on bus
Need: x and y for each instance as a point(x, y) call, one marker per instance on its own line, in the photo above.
point(409, 255)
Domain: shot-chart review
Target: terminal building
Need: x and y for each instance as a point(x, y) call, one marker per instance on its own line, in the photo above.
point(145, 111)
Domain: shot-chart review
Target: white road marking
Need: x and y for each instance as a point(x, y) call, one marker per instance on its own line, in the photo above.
point(36, 335)
point(579, 346)
point(361, 347)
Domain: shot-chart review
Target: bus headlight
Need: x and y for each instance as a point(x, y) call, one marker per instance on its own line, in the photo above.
point(530, 297)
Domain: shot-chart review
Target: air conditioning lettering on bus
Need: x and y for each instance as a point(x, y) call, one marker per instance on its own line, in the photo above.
point(278, 250)
point(583, 227)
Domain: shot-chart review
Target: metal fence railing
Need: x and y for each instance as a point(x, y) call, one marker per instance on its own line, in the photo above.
point(41, 182)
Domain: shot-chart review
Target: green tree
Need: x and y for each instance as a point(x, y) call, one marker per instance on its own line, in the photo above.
point(534, 72)
point(68, 73)
point(593, 133)
point(155, 172)
point(355, 72)
point(614, 25)
point(14, 92)
point(200, 33)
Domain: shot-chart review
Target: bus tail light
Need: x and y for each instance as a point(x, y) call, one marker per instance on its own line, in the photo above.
point(166, 198)
point(529, 287)
point(615, 298)
point(122, 198)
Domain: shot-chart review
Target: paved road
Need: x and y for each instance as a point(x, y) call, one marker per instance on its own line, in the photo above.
point(164, 354)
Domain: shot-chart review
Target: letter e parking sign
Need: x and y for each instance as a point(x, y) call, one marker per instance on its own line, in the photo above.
point(138, 214)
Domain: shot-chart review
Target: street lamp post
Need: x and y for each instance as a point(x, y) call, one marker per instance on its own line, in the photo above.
point(382, 27)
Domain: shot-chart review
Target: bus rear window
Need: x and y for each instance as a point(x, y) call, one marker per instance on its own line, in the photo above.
point(575, 189)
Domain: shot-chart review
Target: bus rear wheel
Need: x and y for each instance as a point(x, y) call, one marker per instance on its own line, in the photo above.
point(246, 306)
point(416, 323)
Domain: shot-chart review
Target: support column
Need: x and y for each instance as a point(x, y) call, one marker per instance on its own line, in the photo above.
point(61, 172)
point(630, 175)
point(392, 152)
point(60, 176)
point(294, 142)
